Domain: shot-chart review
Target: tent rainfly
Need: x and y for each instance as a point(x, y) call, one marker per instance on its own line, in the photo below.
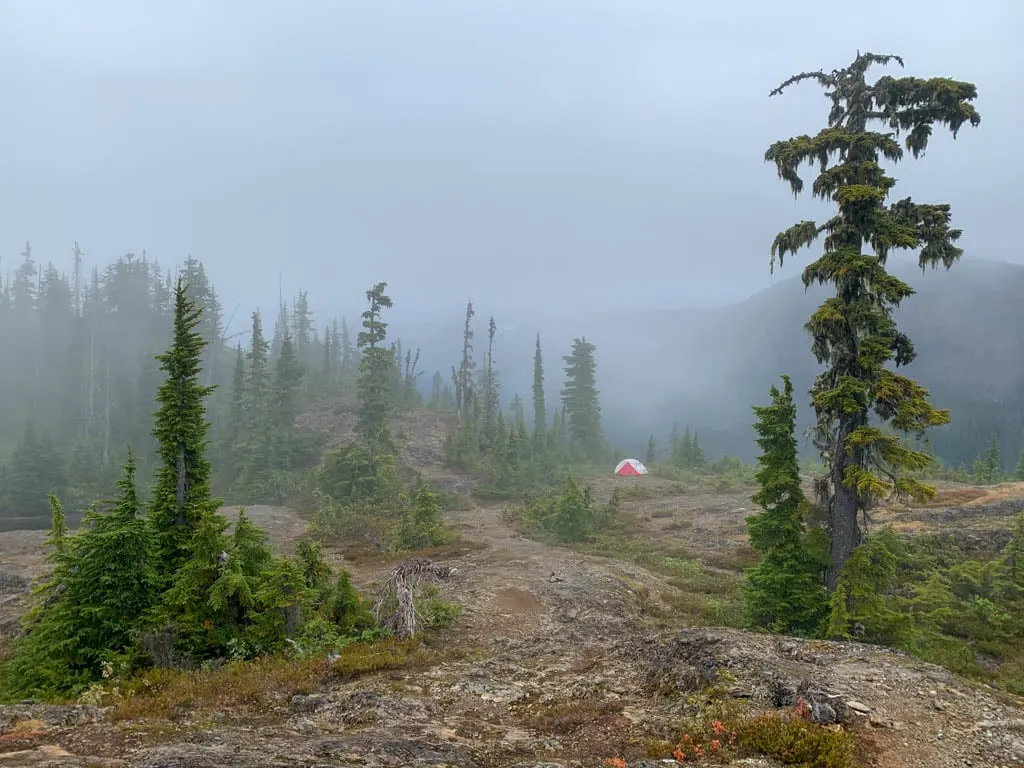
point(630, 467)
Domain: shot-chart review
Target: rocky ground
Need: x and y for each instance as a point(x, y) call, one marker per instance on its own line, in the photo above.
point(559, 658)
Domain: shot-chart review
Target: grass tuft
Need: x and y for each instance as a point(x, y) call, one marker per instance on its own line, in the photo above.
point(563, 717)
point(258, 686)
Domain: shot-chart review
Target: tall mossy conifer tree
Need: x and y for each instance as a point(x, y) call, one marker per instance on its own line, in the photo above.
point(182, 499)
point(854, 334)
point(785, 592)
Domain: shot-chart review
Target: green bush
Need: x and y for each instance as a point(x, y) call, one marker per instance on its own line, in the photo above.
point(570, 517)
point(793, 740)
point(422, 526)
point(923, 595)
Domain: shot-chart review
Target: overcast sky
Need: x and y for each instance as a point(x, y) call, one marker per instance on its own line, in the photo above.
point(527, 153)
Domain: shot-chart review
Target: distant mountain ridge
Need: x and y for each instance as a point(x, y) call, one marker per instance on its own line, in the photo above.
point(707, 367)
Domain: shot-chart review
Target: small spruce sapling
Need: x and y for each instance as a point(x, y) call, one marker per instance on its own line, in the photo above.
point(785, 592)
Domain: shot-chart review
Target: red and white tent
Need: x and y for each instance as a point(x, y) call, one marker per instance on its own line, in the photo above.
point(630, 467)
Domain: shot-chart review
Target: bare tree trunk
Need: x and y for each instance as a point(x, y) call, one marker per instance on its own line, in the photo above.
point(844, 530)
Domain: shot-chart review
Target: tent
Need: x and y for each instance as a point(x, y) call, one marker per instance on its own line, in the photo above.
point(628, 467)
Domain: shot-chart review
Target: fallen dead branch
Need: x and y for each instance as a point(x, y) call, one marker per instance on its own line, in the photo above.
point(395, 608)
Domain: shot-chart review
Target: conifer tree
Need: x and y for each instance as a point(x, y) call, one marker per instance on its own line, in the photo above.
point(103, 581)
point(182, 500)
point(336, 350)
point(993, 463)
point(785, 592)
point(540, 414)
point(580, 401)
point(696, 452)
point(281, 327)
point(684, 457)
point(440, 393)
point(396, 385)
point(408, 393)
point(238, 386)
point(302, 329)
point(1008, 577)
point(58, 525)
point(517, 414)
point(464, 395)
point(35, 470)
point(288, 375)
point(571, 517)
point(559, 431)
point(256, 440)
point(978, 472)
point(76, 259)
point(854, 334)
point(327, 368)
point(422, 525)
point(490, 437)
point(517, 446)
point(867, 580)
point(838, 627)
point(500, 433)
point(1018, 472)
point(652, 450)
point(462, 444)
point(113, 551)
point(348, 365)
point(375, 375)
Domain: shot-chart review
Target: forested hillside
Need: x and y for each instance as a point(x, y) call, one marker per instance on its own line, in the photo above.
point(79, 374)
point(961, 322)
point(705, 367)
point(83, 373)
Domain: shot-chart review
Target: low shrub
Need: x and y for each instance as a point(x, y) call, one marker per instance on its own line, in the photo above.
point(790, 738)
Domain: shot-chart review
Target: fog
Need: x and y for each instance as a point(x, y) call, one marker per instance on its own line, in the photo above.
point(586, 167)
point(579, 153)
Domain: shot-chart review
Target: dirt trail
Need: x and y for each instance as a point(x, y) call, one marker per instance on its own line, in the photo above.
point(551, 631)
